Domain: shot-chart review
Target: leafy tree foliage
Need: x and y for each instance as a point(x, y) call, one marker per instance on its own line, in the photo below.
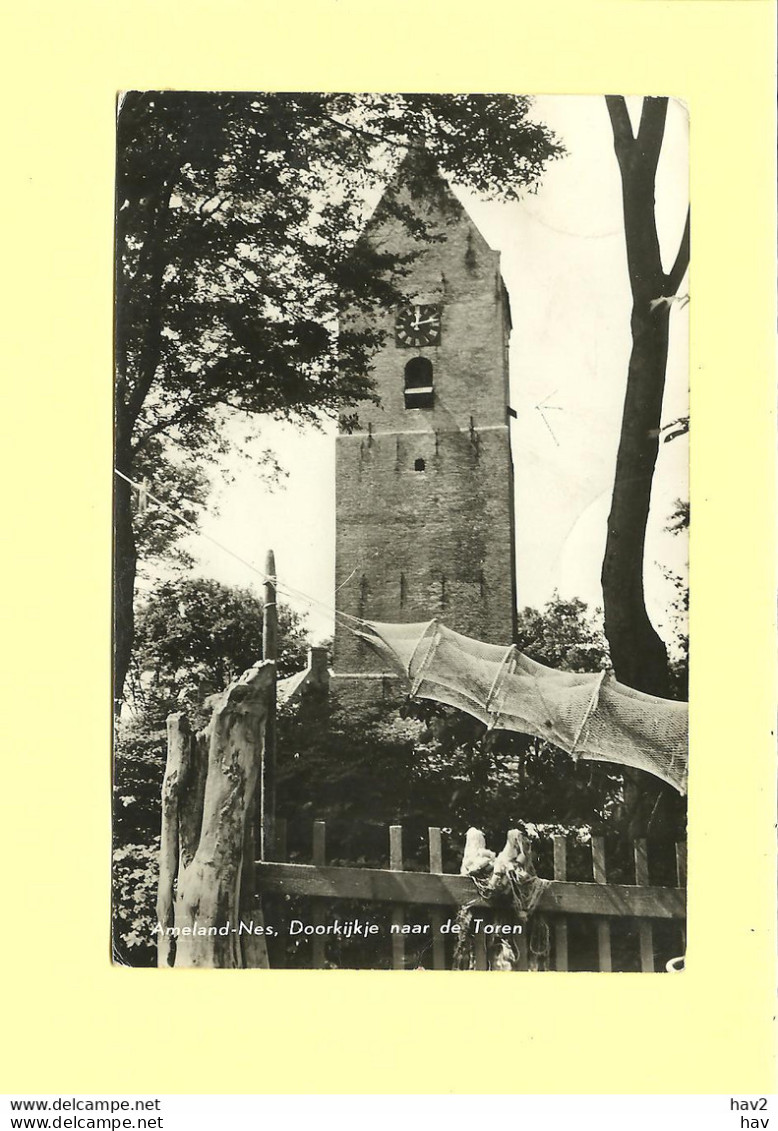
point(139, 767)
point(237, 224)
point(195, 635)
point(564, 635)
point(182, 486)
point(678, 524)
point(134, 895)
point(680, 517)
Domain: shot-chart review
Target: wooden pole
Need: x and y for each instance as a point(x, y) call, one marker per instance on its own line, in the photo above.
point(680, 860)
point(560, 924)
point(603, 925)
point(319, 911)
point(436, 917)
point(398, 916)
point(267, 789)
point(645, 928)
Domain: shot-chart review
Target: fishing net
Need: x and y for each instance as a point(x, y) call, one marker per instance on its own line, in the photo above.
point(590, 715)
point(510, 885)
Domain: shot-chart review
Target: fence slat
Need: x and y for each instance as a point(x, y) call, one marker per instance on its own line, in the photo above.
point(645, 930)
point(276, 908)
point(481, 961)
point(680, 863)
point(398, 915)
point(680, 867)
point(561, 957)
point(281, 851)
point(436, 918)
point(449, 890)
point(560, 923)
point(603, 925)
point(522, 947)
point(319, 912)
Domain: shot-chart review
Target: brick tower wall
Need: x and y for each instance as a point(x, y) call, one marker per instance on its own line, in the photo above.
point(438, 542)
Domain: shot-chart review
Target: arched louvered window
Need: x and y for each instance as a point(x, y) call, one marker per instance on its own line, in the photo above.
point(419, 392)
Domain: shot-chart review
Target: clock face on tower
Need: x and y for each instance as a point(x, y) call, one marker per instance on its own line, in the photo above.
point(418, 325)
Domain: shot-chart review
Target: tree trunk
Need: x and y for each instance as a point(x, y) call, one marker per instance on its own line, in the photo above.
point(128, 402)
point(208, 912)
point(183, 792)
point(124, 568)
point(638, 655)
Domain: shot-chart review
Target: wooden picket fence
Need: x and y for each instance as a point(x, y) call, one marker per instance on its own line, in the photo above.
point(441, 893)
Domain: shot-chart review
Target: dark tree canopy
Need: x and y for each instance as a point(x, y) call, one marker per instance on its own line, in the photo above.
point(237, 225)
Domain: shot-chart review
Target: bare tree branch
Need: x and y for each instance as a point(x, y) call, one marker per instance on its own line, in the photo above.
point(678, 269)
point(623, 138)
point(651, 132)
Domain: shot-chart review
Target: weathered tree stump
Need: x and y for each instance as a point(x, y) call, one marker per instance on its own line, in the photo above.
point(206, 805)
point(180, 746)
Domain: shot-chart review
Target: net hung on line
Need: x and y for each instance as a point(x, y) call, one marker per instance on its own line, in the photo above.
point(588, 714)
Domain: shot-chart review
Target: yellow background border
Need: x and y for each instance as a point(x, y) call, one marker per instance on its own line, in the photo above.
point(73, 1023)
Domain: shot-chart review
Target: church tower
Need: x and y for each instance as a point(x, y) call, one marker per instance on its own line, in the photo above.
point(424, 487)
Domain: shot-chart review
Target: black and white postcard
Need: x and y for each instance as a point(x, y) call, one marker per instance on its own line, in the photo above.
point(401, 512)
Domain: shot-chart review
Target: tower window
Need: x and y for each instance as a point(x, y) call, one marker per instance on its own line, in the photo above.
point(419, 392)
point(419, 465)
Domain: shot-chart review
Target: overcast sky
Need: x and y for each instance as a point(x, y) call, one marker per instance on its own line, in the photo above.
point(564, 264)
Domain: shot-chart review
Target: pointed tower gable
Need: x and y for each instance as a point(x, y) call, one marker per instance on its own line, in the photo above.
point(448, 265)
point(418, 206)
